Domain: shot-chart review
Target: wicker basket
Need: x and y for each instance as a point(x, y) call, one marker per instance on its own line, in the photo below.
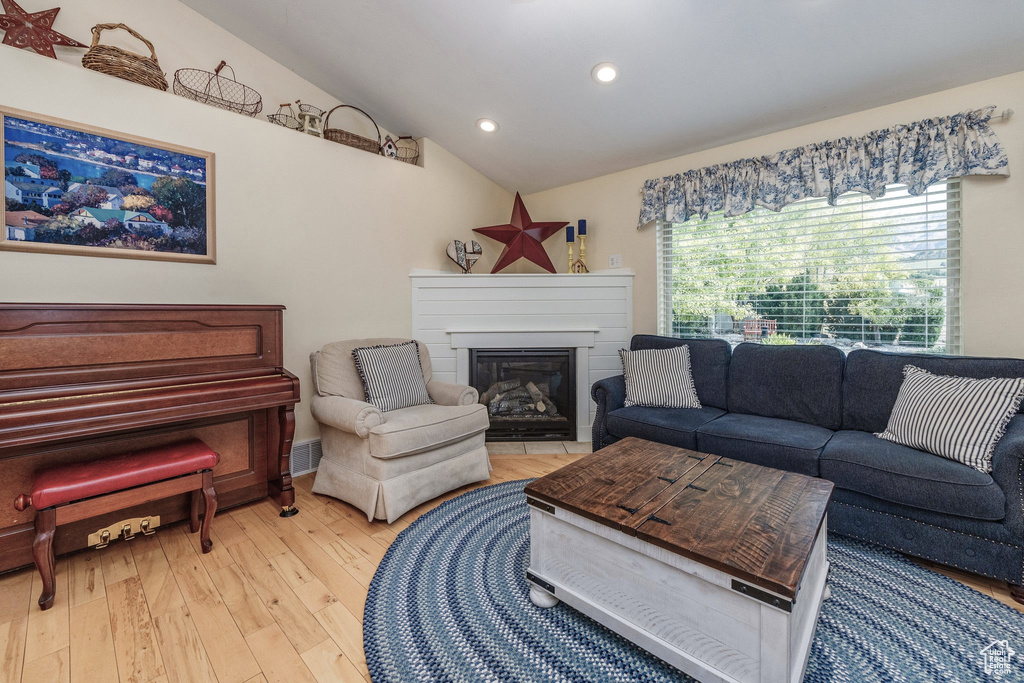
point(351, 139)
point(218, 91)
point(114, 61)
point(408, 149)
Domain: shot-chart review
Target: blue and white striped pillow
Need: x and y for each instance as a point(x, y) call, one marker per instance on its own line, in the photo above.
point(659, 378)
point(959, 418)
point(392, 375)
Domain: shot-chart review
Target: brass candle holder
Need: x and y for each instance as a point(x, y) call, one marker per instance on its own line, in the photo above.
point(580, 264)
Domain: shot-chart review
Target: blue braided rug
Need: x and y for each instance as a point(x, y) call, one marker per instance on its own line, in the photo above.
point(450, 602)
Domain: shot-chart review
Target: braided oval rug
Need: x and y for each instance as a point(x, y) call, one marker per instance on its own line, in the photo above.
point(450, 602)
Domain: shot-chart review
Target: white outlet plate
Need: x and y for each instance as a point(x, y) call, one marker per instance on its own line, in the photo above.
point(615, 261)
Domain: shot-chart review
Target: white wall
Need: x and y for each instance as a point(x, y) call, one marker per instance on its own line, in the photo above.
point(329, 231)
point(993, 211)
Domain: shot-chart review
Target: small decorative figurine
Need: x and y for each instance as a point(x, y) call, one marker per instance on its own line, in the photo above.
point(311, 119)
point(389, 149)
point(464, 255)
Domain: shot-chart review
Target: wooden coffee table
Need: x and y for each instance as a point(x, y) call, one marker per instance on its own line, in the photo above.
point(714, 565)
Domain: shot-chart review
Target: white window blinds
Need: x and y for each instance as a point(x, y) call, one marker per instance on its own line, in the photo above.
point(878, 273)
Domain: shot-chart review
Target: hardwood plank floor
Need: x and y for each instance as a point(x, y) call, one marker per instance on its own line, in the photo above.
point(278, 599)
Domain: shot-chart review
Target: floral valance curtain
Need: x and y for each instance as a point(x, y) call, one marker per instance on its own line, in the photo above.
point(916, 155)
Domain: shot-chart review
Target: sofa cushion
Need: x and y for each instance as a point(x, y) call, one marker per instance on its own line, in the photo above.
point(672, 426)
point(769, 441)
point(861, 462)
point(960, 418)
point(709, 364)
point(426, 427)
point(873, 378)
point(659, 378)
point(803, 383)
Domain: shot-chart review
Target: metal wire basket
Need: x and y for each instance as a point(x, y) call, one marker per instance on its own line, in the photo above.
point(285, 116)
point(218, 91)
point(310, 109)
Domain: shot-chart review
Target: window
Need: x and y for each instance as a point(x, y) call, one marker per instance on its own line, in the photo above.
point(878, 273)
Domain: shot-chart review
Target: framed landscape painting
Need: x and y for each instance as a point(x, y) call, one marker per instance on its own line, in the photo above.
point(70, 188)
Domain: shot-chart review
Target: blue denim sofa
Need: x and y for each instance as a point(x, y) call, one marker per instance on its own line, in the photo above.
point(812, 410)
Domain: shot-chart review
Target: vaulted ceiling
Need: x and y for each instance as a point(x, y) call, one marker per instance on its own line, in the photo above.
point(694, 73)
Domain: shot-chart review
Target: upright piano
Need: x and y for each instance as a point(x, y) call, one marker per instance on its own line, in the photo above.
point(84, 381)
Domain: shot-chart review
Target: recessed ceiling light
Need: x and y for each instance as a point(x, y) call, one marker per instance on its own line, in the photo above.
point(487, 125)
point(605, 72)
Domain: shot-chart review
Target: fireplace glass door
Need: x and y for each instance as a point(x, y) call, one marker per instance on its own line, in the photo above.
point(530, 394)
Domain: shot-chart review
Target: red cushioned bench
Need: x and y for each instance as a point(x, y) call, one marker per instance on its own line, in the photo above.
point(71, 493)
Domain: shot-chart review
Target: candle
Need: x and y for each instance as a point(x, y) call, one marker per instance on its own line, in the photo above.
point(569, 237)
point(583, 227)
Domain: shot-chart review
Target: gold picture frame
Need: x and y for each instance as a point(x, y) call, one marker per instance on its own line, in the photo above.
point(157, 204)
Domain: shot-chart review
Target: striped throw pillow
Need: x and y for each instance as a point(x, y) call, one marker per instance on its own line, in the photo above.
point(392, 375)
point(956, 417)
point(659, 378)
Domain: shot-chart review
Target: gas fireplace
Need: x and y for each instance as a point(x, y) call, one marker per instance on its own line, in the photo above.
point(530, 394)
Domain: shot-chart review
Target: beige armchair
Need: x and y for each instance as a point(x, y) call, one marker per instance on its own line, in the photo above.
point(387, 463)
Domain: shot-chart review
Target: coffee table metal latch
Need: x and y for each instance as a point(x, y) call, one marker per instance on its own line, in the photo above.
point(543, 506)
point(763, 596)
point(540, 582)
point(630, 510)
point(659, 520)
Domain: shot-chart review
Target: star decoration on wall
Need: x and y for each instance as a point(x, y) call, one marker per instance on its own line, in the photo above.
point(522, 238)
point(33, 30)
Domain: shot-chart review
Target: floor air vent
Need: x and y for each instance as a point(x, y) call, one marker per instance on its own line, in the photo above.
point(306, 457)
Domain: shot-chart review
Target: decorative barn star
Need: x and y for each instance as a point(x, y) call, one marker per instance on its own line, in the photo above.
point(32, 30)
point(522, 238)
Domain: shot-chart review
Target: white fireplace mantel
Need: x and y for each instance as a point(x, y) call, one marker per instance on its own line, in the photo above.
point(591, 313)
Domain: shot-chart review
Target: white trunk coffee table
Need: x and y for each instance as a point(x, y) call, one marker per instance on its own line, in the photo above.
point(714, 565)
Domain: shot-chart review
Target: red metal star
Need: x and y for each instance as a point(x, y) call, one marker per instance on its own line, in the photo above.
point(522, 238)
point(32, 31)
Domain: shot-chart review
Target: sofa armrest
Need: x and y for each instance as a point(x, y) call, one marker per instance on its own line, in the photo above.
point(448, 394)
point(346, 414)
point(609, 394)
point(1008, 472)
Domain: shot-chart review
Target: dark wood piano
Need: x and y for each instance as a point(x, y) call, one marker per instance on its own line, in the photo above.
point(82, 381)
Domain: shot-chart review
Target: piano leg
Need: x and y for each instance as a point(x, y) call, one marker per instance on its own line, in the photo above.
point(42, 553)
point(281, 477)
point(209, 510)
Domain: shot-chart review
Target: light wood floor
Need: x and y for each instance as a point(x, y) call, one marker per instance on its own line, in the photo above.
point(276, 600)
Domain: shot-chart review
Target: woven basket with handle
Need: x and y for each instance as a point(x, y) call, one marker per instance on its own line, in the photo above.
point(344, 137)
point(407, 149)
point(118, 62)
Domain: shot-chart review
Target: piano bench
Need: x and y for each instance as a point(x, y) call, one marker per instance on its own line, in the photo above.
point(71, 493)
